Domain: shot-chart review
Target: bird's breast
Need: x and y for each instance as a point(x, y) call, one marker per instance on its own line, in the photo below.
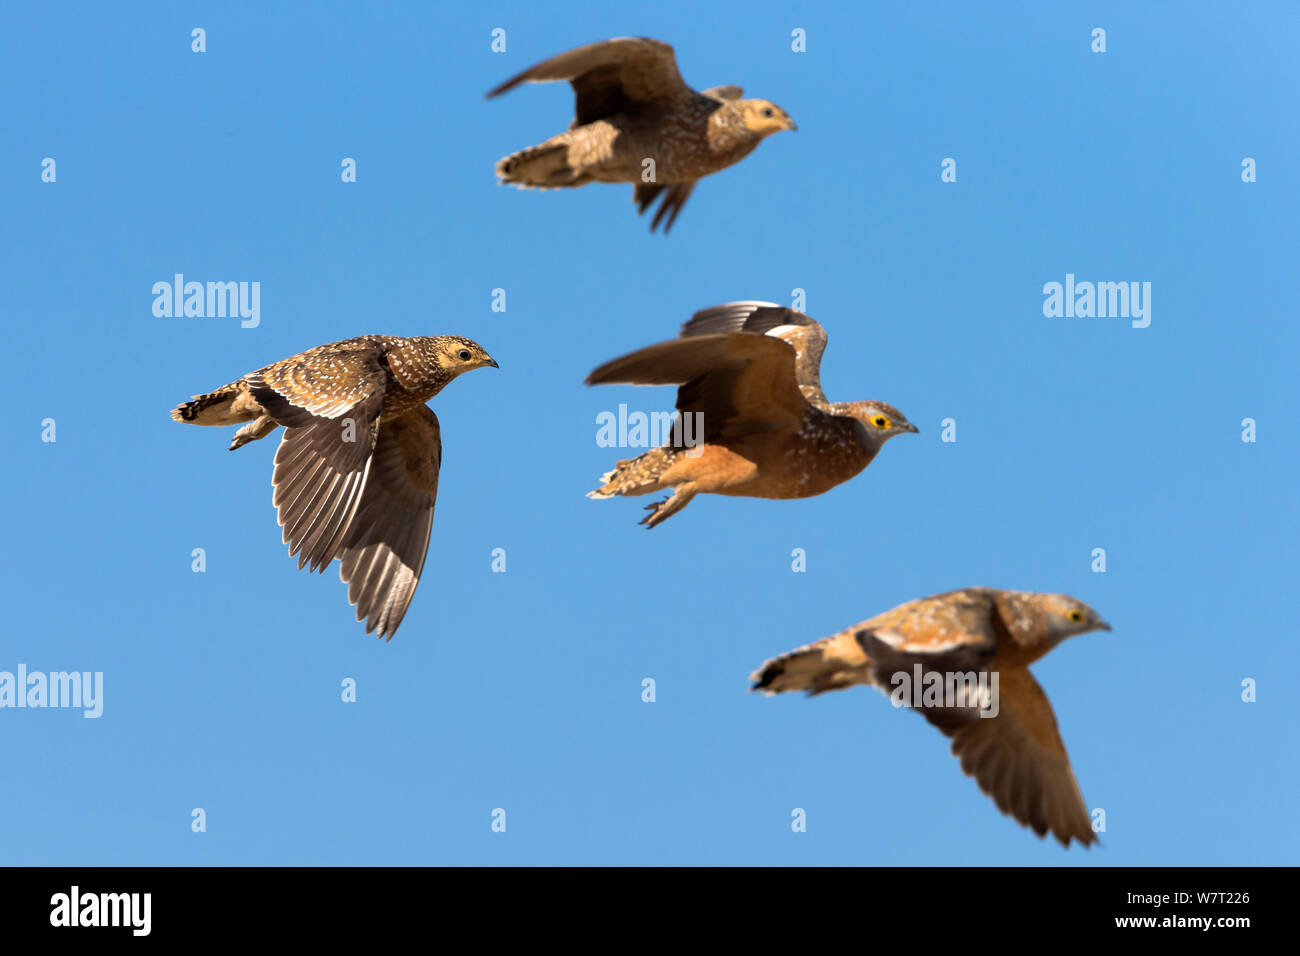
point(808, 461)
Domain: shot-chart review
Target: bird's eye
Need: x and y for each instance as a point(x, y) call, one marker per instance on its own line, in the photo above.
point(880, 421)
point(767, 112)
point(463, 355)
point(1076, 616)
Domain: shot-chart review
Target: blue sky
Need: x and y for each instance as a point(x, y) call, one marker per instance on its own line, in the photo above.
point(522, 690)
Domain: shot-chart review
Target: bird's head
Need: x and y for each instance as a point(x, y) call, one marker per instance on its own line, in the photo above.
point(1041, 621)
point(1067, 617)
point(881, 421)
point(764, 117)
point(1038, 622)
point(457, 355)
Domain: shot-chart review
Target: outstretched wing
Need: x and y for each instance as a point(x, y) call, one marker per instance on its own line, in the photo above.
point(738, 382)
point(1013, 750)
point(1019, 759)
point(614, 76)
point(674, 198)
point(384, 551)
point(329, 401)
point(804, 334)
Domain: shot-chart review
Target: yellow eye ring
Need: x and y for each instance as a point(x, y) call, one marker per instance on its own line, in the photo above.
point(880, 421)
point(1076, 616)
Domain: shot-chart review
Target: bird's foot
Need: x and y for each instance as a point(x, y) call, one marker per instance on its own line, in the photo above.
point(661, 511)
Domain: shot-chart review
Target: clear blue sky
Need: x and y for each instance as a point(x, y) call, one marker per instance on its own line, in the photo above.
point(522, 690)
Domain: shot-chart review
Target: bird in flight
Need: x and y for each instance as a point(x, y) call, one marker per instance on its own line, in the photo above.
point(356, 473)
point(638, 122)
point(749, 375)
point(1008, 738)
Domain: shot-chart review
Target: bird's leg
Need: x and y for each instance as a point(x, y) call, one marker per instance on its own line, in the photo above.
point(661, 511)
point(260, 427)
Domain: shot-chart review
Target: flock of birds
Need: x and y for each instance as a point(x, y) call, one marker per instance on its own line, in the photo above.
point(356, 472)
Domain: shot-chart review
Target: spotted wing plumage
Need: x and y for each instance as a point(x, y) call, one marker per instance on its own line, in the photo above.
point(329, 405)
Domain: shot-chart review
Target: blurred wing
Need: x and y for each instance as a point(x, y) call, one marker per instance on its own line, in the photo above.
point(674, 198)
point(329, 404)
point(958, 628)
point(724, 92)
point(804, 334)
point(614, 76)
point(384, 551)
point(1019, 759)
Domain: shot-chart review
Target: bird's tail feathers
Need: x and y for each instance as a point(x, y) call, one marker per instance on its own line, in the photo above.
point(214, 408)
point(814, 668)
point(543, 167)
point(636, 476)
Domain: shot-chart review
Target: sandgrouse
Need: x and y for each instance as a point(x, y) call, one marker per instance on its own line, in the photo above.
point(638, 122)
point(1007, 739)
point(752, 419)
point(356, 474)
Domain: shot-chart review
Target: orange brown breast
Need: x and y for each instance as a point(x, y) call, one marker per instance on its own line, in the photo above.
point(801, 462)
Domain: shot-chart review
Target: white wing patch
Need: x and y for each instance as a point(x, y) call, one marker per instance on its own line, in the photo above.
point(781, 331)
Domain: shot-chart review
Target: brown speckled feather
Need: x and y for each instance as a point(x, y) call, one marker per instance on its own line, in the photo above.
point(331, 421)
point(325, 382)
point(356, 474)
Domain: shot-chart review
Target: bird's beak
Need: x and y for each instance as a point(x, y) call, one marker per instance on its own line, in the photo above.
point(912, 428)
point(794, 128)
point(493, 362)
point(1103, 626)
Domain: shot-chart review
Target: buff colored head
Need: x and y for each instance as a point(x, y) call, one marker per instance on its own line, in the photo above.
point(764, 117)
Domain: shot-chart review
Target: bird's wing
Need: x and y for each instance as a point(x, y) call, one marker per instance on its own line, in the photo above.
point(329, 403)
point(738, 382)
point(674, 199)
point(1016, 756)
point(805, 334)
point(1019, 759)
point(613, 76)
point(728, 92)
point(956, 628)
point(383, 553)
